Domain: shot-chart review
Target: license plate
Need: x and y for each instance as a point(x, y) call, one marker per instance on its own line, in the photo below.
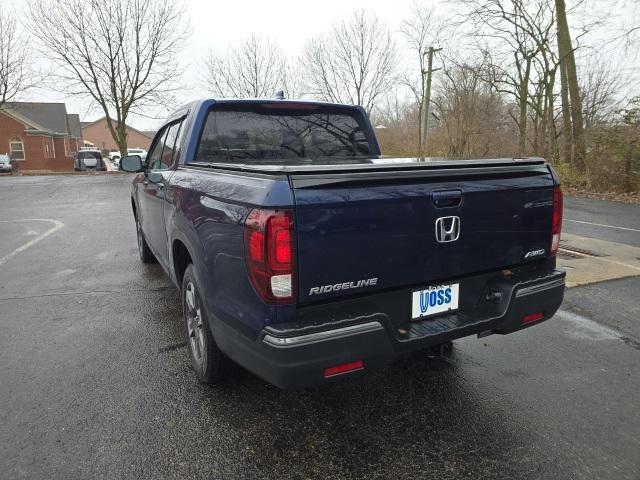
point(435, 299)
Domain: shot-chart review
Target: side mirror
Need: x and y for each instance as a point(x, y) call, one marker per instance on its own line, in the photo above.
point(131, 163)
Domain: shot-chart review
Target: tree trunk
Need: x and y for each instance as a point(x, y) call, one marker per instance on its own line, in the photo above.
point(522, 117)
point(567, 138)
point(540, 124)
point(544, 121)
point(568, 59)
point(420, 126)
point(121, 130)
point(628, 160)
point(550, 141)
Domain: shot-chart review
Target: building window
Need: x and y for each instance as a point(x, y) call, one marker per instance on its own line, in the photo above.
point(16, 148)
point(46, 150)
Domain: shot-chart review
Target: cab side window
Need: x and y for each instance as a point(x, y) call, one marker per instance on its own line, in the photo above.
point(164, 151)
point(170, 145)
point(155, 155)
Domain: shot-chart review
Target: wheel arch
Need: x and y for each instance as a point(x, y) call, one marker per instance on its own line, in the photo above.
point(181, 257)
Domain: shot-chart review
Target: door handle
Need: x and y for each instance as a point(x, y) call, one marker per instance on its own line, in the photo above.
point(447, 198)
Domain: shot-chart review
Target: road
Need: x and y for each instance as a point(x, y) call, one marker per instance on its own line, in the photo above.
point(611, 221)
point(96, 381)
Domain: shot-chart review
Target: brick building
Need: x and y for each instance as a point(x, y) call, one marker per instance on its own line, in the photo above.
point(39, 136)
point(98, 134)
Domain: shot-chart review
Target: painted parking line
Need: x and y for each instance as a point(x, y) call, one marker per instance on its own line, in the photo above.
point(603, 225)
point(56, 226)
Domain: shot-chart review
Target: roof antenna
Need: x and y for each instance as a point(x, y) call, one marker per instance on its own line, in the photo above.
point(279, 95)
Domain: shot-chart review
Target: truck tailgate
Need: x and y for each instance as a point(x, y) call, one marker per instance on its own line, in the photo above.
point(354, 227)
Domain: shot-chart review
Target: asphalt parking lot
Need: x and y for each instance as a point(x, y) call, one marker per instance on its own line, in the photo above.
point(96, 382)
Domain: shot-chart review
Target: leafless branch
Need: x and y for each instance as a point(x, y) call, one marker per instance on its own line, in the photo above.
point(123, 54)
point(256, 68)
point(16, 72)
point(354, 63)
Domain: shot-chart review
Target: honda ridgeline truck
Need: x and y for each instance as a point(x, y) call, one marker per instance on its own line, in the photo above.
point(305, 256)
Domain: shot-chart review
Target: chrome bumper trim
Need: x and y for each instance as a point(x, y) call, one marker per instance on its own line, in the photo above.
point(540, 287)
point(286, 342)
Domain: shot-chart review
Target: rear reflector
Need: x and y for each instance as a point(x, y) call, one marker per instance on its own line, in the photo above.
point(532, 317)
point(344, 368)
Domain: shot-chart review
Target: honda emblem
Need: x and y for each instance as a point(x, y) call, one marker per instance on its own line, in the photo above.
point(447, 229)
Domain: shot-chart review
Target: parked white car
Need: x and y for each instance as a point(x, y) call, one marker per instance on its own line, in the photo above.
point(5, 164)
point(114, 155)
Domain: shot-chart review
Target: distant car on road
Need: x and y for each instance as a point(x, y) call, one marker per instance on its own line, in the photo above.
point(5, 164)
point(89, 160)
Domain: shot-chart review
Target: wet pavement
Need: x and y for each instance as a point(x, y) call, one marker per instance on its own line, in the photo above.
point(96, 382)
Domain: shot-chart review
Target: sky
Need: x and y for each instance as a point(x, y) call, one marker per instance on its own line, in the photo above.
point(216, 24)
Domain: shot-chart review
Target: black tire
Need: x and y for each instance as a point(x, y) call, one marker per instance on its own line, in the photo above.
point(146, 255)
point(210, 364)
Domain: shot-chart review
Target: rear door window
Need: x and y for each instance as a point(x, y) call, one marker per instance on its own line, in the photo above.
point(287, 134)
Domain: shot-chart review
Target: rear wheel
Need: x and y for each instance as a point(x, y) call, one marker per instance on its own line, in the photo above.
point(210, 364)
point(143, 247)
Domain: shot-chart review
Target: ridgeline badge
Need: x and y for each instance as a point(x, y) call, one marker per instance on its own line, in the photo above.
point(369, 282)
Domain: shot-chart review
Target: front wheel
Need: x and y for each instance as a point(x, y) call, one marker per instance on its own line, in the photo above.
point(146, 255)
point(210, 364)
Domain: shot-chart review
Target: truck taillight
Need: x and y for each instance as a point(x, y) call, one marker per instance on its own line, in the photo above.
point(268, 237)
point(556, 221)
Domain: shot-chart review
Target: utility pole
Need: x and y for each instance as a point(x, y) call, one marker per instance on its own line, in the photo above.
point(426, 99)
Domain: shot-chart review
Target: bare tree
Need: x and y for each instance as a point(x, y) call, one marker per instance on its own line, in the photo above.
point(471, 113)
point(624, 26)
point(16, 75)
point(543, 97)
point(121, 53)
point(631, 122)
point(256, 68)
point(422, 32)
point(294, 81)
point(517, 31)
point(353, 63)
point(394, 111)
point(599, 89)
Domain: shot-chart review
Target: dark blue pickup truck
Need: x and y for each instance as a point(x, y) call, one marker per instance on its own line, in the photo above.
point(304, 255)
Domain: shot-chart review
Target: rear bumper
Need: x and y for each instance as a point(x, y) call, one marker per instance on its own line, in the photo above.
point(296, 356)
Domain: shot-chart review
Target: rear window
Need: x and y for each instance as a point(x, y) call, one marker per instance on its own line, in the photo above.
point(283, 134)
point(82, 155)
